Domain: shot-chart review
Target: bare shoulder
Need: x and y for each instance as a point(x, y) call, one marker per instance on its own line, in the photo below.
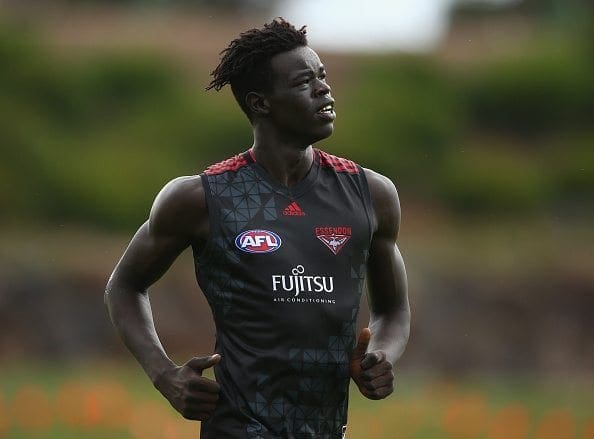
point(380, 186)
point(386, 203)
point(180, 208)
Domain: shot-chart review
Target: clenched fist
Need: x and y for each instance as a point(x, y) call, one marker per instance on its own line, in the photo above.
point(372, 373)
point(192, 395)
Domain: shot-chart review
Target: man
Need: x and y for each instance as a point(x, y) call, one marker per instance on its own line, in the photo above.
point(283, 237)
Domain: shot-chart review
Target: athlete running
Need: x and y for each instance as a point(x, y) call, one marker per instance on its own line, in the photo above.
point(284, 236)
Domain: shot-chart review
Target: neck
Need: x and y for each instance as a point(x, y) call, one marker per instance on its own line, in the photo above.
point(286, 161)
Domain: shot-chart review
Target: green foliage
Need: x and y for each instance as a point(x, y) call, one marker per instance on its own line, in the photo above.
point(535, 95)
point(572, 169)
point(94, 140)
point(400, 118)
point(485, 181)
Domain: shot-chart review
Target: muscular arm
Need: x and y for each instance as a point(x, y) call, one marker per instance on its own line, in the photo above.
point(380, 346)
point(178, 218)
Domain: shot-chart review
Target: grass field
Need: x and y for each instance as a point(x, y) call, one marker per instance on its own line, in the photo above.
point(116, 401)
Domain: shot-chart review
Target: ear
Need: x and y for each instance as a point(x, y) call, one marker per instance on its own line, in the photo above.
point(257, 103)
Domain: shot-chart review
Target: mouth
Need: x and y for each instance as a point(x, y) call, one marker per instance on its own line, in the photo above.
point(327, 110)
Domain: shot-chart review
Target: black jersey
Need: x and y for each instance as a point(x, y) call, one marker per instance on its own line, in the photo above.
point(283, 271)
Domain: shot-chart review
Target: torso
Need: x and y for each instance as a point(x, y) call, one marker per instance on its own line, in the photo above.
point(283, 270)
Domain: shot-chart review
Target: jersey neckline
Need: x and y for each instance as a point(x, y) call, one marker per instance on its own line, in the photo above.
point(294, 191)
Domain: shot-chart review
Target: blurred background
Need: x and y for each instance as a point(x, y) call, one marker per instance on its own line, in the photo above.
point(480, 111)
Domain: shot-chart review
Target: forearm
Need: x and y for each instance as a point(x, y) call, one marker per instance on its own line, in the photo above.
point(130, 312)
point(389, 306)
point(389, 333)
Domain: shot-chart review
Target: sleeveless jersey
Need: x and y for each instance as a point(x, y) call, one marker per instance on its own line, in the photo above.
point(283, 270)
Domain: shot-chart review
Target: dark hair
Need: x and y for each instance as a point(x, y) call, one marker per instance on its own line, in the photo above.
point(245, 63)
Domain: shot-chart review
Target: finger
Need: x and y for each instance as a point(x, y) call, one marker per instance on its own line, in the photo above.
point(190, 407)
point(196, 415)
point(362, 343)
point(200, 363)
point(200, 396)
point(380, 393)
point(203, 416)
point(205, 385)
point(195, 407)
point(376, 382)
point(376, 371)
point(379, 382)
point(372, 358)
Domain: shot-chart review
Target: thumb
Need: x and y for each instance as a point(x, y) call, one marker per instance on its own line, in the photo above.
point(362, 343)
point(200, 363)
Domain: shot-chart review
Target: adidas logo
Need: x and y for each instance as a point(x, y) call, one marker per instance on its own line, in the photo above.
point(293, 209)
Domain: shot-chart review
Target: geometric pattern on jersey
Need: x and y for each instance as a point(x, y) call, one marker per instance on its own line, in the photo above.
point(321, 418)
point(284, 369)
point(326, 412)
point(321, 408)
point(319, 421)
point(223, 282)
point(248, 194)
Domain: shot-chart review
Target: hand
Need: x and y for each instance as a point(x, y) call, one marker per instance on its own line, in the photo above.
point(372, 373)
point(192, 395)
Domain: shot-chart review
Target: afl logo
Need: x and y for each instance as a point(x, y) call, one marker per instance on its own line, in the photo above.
point(258, 241)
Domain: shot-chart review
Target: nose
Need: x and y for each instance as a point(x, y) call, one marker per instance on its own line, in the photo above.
point(322, 88)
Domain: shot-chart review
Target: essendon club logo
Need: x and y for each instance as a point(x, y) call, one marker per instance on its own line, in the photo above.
point(334, 237)
point(293, 209)
point(258, 241)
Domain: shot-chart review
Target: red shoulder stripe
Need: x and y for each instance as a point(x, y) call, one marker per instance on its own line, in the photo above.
point(231, 164)
point(337, 163)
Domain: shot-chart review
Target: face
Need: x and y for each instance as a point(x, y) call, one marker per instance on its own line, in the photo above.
point(300, 104)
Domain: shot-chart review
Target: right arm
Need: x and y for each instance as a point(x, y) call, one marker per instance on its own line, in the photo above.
point(177, 219)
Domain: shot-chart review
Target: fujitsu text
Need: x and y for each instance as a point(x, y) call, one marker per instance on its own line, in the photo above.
point(297, 282)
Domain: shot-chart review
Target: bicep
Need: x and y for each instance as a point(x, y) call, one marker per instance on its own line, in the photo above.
point(147, 257)
point(387, 284)
point(177, 219)
point(386, 277)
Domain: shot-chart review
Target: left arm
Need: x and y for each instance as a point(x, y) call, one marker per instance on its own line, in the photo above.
point(382, 344)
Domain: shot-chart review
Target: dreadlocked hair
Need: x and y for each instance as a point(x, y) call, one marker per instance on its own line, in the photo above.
point(245, 63)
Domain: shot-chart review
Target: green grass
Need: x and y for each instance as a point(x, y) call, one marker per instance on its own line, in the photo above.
point(422, 406)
